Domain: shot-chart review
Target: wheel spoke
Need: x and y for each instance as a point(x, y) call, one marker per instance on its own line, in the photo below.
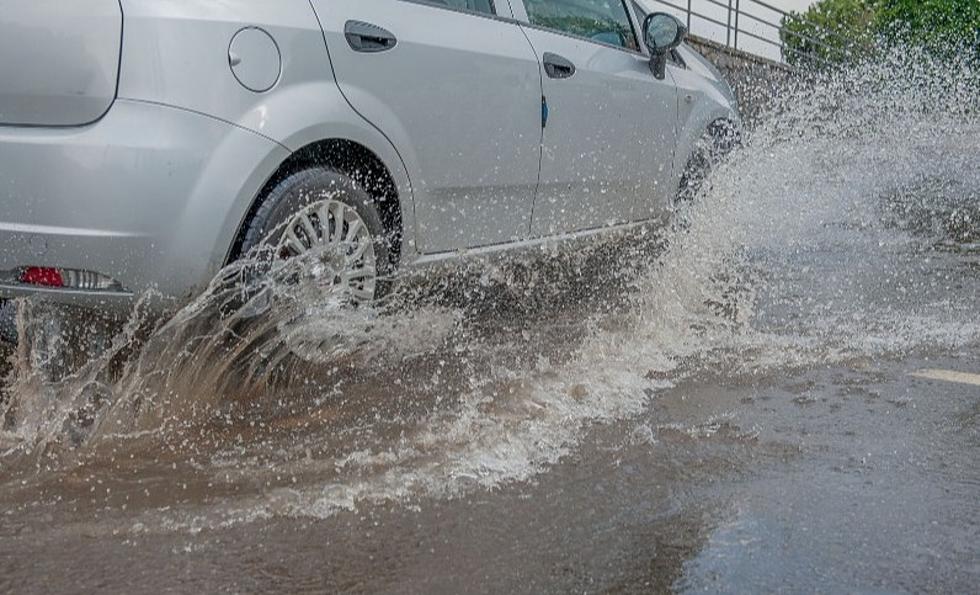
point(361, 273)
point(353, 229)
point(364, 294)
point(338, 212)
point(347, 242)
point(293, 242)
point(310, 229)
point(324, 215)
point(360, 251)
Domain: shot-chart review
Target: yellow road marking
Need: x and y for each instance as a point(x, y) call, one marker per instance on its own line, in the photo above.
point(948, 376)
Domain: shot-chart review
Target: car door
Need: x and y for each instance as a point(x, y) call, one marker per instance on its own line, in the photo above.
point(456, 87)
point(609, 139)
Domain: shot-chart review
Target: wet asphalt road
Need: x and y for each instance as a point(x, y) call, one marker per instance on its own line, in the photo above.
point(859, 477)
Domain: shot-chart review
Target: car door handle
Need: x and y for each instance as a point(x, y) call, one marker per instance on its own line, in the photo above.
point(557, 67)
point(368, 38)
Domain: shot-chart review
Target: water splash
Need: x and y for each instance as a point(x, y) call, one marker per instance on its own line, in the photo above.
point(841, 229)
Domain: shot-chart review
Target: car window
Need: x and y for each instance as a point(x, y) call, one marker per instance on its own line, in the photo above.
point(471, 5)
point(605, 21)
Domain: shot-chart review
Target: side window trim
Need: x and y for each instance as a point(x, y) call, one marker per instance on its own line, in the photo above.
point(494, 14)
point(628, 9)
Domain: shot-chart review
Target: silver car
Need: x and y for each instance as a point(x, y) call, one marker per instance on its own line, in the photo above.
point(148, 143)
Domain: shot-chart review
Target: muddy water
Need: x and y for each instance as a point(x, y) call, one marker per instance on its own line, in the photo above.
point(833, 479)
point(726, 407)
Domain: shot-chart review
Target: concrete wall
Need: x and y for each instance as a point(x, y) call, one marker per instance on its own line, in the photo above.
point(755, 80)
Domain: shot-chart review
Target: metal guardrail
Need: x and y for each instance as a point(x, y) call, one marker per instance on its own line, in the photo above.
point(771, 18)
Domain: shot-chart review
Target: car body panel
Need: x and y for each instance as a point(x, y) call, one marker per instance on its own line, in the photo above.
point(155, 191)
point(702, 100)
point(600, 166)
point(460, 98)
point(150, 210)
point(60, 61)
point(177, 53)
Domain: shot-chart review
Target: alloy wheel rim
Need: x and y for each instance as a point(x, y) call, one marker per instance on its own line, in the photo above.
point(338, 245)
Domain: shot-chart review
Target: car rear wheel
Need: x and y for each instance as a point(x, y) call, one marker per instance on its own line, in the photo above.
point(322, 216)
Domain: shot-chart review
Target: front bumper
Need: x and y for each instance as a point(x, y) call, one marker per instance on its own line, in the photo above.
point(150, 196)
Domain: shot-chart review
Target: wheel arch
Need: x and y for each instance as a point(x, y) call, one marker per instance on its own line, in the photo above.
point(354, 160)
point(707, 119)
point(719, 138)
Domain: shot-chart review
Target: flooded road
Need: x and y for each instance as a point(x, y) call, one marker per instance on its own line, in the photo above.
point(858, 477)
point(730, 406)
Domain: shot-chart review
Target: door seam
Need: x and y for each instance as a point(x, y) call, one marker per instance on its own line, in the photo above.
point(544, 100)
point(340, 88)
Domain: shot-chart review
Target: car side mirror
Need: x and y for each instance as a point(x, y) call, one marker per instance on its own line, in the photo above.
point(662, 33)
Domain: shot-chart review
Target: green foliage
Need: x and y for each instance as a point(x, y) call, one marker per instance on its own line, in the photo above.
point(834, 30)
point(829, 31)
point(942, 20)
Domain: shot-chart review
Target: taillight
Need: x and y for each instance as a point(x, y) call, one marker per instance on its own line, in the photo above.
point(42, 276)
point(67, 279)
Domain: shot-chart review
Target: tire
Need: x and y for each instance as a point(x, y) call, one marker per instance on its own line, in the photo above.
point(306, 187)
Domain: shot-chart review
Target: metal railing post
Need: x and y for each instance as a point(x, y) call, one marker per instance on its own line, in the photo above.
point(776, 30)
point(738, 4)
point(728, 29)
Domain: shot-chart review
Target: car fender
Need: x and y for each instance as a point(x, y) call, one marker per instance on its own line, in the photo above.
point(701, 102)
point(178, 54)
point(317, 111)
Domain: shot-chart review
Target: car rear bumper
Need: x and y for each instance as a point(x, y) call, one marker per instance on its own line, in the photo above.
point(150, 196)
